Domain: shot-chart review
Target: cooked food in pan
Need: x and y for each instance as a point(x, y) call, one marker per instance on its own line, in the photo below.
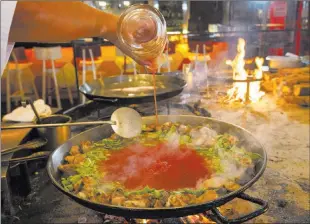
point(172, 165)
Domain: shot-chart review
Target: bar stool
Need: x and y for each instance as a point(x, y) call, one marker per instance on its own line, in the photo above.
point(200, 51)
point(49, 71)
point(19, 64)
point(88, 56)
point(201, 58)
point(128, 62)
point(166, 57)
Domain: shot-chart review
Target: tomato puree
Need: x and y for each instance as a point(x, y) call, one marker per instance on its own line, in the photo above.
point(160, 167)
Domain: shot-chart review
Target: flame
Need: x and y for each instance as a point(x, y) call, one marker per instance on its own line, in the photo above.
point(200, 218)
point(239, 89)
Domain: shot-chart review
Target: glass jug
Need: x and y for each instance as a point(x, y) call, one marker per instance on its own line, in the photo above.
point(146, 46)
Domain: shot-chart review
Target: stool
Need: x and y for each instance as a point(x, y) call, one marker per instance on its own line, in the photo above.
point(201, 58)
point(89, 59)
point(128, 62)
point(19, 63)
point(49, 72)
point(166, 58)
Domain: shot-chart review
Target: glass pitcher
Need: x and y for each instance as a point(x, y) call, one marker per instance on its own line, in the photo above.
point(147, 49)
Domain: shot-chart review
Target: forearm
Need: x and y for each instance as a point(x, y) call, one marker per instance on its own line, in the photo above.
point(60, 22)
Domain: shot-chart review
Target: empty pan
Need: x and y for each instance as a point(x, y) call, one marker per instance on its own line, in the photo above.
point(130, 89)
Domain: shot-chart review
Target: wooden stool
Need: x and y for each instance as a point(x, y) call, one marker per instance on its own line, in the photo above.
point(128, 62)
point(49, 70)
point(18, 63)
point(89, 60)
point(166, 57)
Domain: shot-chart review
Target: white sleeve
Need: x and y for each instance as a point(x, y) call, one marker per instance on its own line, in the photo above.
point(7, 13)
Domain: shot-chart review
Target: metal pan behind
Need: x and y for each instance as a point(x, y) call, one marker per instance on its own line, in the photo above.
point(132, 88)
point(247, 140)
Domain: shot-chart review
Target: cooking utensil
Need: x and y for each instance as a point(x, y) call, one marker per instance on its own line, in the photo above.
point(58, 125)
point(34, 156)
point(125, 122)
point(277, 62)
point(55, 136)
point(130, 89)
point(33, 144)
point(247, 139)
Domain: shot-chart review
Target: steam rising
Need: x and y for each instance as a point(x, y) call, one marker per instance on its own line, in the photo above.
point(138, 160)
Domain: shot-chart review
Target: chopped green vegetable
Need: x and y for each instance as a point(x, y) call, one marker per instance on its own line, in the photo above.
point(157, 194)
point(185, 139)
point(145, 190)
point(254, 156)
point(196, 192)
point(74, 179)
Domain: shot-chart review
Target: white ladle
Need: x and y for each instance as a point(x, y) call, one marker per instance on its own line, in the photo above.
point(125, 122)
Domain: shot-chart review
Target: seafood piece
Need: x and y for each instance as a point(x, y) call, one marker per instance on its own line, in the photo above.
point(158, 204)
point(77, 159)
point(75, 150)
point(118, 200)
point(86, 146)
point(149, 128)
point(117, 197)
point(209, 195)
point(231, 186)
point(68, 169)
point(136, 203)
point(78, 186)
point(184, 129)
point(166, 126)
point(178, 200)
point(88, 184)
point(103, 198)
point(214, 182)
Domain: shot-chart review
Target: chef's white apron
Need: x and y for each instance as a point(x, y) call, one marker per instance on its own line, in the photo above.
point(7, 13)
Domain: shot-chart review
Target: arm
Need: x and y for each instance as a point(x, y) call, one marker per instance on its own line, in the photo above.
point(63, 21)
point(59, 22)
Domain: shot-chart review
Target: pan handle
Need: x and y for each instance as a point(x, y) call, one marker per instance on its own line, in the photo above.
point(104, 100)
point(261, 210)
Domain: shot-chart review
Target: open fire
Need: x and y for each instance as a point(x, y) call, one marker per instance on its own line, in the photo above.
point(245, 87)
point(199, 218)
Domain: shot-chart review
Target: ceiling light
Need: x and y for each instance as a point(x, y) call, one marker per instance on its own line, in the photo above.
point(102, 3)
point(126, 3)
point(184, 6)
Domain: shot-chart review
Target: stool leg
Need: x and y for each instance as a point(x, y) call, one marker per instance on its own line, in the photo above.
point(93, 64)
point(84, 73)
point(35, 89)
point(44, 81)
point(68, 87)
point(56, 85)
point(20, 83)
point(49, 97)
point(8, 93)
point(134, 68)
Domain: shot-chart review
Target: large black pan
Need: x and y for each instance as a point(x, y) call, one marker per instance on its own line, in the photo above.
point(131, 89)
point(100, 132)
